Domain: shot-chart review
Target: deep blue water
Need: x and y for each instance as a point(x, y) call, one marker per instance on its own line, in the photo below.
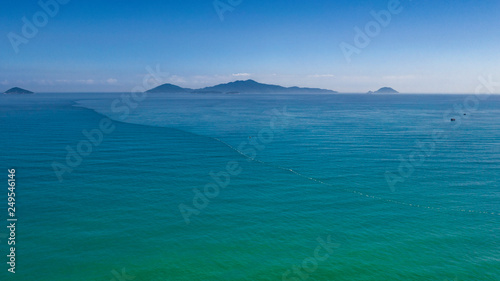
point(306, 167)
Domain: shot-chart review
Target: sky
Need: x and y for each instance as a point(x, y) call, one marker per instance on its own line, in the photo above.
point(414, 46)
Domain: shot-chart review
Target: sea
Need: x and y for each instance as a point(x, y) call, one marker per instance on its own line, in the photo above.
point(123, 186)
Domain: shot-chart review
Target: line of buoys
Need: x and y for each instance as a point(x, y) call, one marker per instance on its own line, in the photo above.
point(355, 191)
point(453, 119)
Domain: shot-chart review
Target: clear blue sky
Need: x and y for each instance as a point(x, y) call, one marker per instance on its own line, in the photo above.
point(96, 45)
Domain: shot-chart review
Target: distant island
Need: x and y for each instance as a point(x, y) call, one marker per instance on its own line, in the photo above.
point(237, 87)
point(231, 88)
point(384, 90)
point(17, 91)
point(170, 88)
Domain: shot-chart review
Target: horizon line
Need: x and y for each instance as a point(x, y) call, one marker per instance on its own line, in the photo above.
point(336, 93)
point(246, 80)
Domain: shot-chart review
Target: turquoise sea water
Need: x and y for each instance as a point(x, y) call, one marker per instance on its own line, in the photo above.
point(312, 169)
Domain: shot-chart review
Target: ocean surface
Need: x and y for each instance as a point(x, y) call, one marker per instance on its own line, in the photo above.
point(252, 187)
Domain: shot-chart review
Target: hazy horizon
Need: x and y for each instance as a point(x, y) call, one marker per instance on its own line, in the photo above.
point(336, 92)
point(422, 47)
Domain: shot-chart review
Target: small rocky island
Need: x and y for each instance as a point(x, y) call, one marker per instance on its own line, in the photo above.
point(384, 90)
point(17, 91)
point(237, 87)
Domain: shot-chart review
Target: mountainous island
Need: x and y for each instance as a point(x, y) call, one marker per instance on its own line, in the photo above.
point(384, 90)
point(237, 87)
point(232, 88)
point(17, 91)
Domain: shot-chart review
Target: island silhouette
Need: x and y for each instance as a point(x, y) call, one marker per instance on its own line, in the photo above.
point(240, 86)
point(17, 91)
point(384, 90)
